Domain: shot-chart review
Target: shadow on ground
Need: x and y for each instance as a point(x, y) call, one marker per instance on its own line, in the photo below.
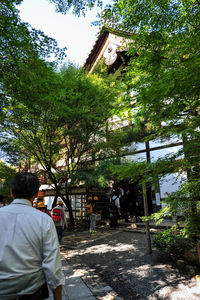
point(121, 260)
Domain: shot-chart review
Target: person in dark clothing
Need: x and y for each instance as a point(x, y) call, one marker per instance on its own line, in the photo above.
point(139, 210)
point(125, 205)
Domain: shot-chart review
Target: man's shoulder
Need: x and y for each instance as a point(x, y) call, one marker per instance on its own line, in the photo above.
point(29, 213)
point(36, 213)
point(4, 208)
point(42, 219)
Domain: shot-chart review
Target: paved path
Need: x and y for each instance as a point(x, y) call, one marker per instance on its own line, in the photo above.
point(75, 287)
point(122, 262)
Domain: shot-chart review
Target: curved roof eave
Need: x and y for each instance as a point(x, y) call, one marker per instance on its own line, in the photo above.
point(99, 44)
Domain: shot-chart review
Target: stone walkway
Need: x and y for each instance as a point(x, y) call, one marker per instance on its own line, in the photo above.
point(81, 282)
point(74, 288)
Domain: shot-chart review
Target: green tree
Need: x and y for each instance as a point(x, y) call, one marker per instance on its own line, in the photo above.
point(96, 176)
point(164, 73)
point(68, 130)
point(6, 174)
point(20, 42)
point(78, 7)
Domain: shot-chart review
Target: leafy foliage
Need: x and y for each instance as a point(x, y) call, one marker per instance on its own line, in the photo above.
point(66, 127)
point(98, 176)
point(78, 7)
point(171, 241)
point(6, 174)
point(164, 77)
point(22, 52)
point(165, 73)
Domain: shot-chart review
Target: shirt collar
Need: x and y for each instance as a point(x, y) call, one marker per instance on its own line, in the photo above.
point(22, 201)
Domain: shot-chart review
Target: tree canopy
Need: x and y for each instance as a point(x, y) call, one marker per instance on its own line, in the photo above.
point(78, 7)
point(165, 73)
point(163, 76)
point(6, 174)
point(67, 129)
point(52, 120)
point(23, 52)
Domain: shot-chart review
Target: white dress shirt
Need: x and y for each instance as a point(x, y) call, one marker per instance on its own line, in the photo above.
point(29, 250)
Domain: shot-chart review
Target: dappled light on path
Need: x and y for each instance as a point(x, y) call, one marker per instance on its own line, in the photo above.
point(122, 261)
point(103, 248)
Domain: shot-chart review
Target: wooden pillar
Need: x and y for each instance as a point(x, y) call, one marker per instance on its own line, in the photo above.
point(146, 213)
point(144, 191)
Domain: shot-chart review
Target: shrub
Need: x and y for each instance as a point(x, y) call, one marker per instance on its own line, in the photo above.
point(173, 242)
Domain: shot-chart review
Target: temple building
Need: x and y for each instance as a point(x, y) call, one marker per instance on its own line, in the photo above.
point(111, 47)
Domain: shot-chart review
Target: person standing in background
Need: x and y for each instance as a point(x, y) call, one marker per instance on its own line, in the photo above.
point(114, 208)
point(59, 218)
point(88, 209)
point(29, 249)
point(91, 213)
point(125, 205)
point(43, 208)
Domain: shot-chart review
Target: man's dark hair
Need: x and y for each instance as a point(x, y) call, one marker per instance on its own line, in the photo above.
point(25, 185)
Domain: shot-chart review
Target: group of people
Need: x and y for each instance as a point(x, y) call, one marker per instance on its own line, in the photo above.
point(57, 214)
point(30, 262)
point(123, 206)
point(119, 207)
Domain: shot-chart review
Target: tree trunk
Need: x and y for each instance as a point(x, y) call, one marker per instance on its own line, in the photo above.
point(190, 174)
point(55, 200)
point(68, 204)
point(148, 188)
point(69, 207)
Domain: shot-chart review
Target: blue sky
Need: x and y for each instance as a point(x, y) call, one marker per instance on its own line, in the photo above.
point(75, 33)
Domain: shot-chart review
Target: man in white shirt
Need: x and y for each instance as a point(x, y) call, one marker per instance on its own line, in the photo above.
point(29, 248)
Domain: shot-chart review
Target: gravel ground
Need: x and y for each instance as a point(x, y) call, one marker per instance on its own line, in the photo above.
point(122, 262)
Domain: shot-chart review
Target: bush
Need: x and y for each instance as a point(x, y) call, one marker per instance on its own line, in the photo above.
point(173, 242)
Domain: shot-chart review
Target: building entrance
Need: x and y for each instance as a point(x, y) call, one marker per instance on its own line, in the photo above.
point(131, 199)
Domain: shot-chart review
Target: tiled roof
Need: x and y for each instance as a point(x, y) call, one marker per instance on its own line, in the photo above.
point(100, 42)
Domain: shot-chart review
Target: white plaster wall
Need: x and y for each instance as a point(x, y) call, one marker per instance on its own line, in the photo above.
point(137, 147)
point(170, 183)
point(48, 200)
point(137, 157)
point(162, 152)
point(159, 142)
